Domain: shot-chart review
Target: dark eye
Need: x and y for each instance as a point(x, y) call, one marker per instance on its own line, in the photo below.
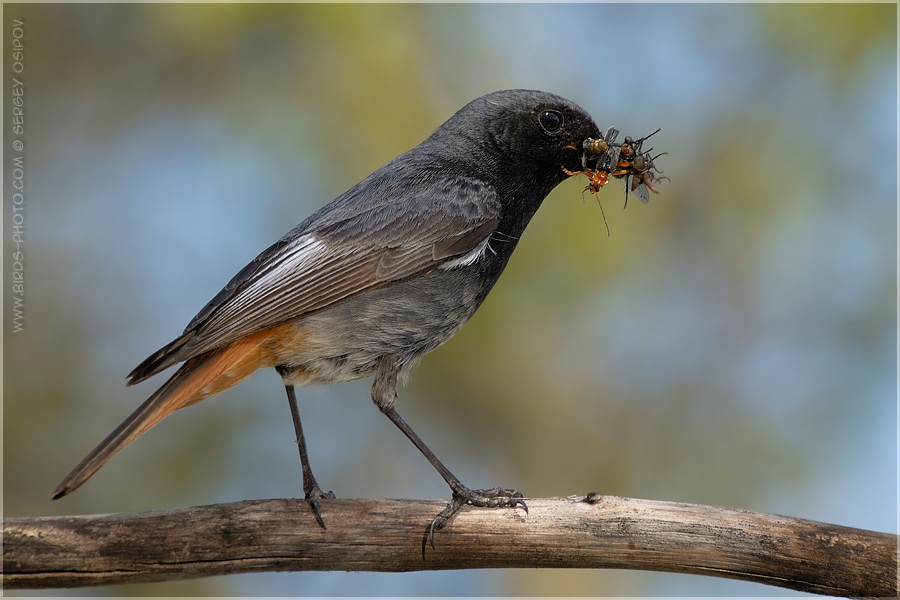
point(551, 121)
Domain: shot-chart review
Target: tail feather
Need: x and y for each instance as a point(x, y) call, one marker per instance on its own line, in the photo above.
point(198, 378)
point(160, 360)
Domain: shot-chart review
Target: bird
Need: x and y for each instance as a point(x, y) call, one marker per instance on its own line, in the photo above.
point(375, 279)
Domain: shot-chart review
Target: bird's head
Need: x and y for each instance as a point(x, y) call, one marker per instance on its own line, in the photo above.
point(523, 136)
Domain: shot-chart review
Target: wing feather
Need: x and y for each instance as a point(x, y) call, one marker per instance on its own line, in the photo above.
point(316, 265)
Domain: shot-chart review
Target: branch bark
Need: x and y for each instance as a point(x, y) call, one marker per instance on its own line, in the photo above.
point(387, 535)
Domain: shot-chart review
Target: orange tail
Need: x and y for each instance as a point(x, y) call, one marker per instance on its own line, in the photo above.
point(198, 378)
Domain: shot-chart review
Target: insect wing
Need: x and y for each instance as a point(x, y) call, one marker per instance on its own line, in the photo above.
point(642, 193)
point(610, 136)
point(635, 183)
point(609, 159)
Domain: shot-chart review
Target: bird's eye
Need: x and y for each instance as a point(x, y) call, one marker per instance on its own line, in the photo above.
point(551, 121)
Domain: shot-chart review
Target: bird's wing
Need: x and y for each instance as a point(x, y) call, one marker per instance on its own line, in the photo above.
point(332, 259)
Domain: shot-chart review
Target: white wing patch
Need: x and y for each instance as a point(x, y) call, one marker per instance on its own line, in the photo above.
point(299, 255)
point(469, 257)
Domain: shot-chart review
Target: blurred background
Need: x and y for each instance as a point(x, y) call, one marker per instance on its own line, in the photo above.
point(733, 342)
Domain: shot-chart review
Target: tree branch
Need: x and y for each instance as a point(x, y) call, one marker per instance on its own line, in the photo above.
point(387, 535)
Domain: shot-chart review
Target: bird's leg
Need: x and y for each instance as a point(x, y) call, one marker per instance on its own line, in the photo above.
point(384, 392)
point(310, 486)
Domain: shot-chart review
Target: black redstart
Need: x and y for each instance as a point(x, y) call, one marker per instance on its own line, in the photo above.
point(377, 278)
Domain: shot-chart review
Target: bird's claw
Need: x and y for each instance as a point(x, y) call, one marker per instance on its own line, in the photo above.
point(313, 495)
point(493, 498)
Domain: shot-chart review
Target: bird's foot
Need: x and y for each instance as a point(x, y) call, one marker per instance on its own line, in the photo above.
point(492, 498)
point(313, 494)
